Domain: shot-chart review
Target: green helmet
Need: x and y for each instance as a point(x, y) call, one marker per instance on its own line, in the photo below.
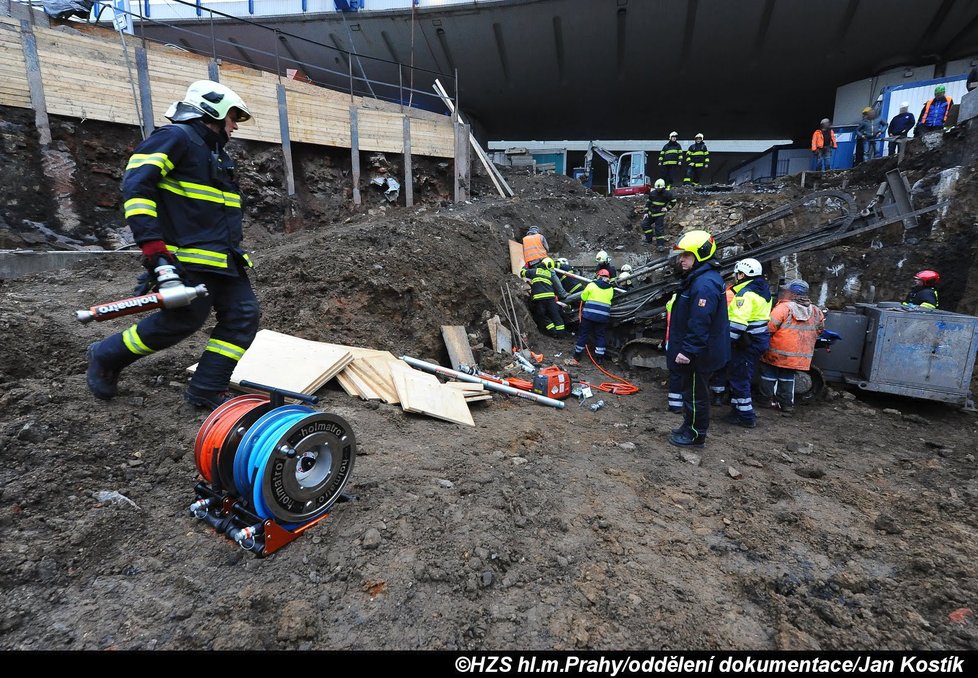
point(939, 89)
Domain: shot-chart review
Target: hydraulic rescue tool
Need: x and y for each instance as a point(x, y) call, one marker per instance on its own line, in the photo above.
point(172, 294)
point(270, 470)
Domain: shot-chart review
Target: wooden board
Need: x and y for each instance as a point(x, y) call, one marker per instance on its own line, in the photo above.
point(457, 342)
point(419, 395)
point(288, 362)
point(478, 398)
point(465, 386)
point(515, 256)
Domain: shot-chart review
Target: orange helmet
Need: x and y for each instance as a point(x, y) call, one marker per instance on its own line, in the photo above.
point(928, 278)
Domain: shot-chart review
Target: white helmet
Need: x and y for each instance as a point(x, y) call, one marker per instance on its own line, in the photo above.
point(623, 276)
point(673, 134)
point(749, 267)
point(210, 99)
point(627, 268)
point(660, 183)
point(563, 263)
point(699, 135)
point(601, 257)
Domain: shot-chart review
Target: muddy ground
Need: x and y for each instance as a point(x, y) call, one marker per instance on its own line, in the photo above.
point(536, 529)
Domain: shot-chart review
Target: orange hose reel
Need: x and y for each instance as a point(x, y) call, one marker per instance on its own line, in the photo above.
point(218, 427)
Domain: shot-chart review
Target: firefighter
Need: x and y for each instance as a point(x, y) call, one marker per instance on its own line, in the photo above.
point(699, 344)
point(595, 314)
point(670, 159)
point(923, 294)
point(183, 207)
point(545, 289)
point(604, 261)
point(795, 326)
point(624, 279)
point(749, 312)
point(535, 247)
point(660, 201)
point(569, 284)
point(697, 160)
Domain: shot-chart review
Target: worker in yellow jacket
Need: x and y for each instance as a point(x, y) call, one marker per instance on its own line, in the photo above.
point(749, 311)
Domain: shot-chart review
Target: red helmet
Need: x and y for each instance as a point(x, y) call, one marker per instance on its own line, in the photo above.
point(928, 278)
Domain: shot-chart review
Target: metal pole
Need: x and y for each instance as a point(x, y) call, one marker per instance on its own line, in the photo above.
point(350, 64)
point(491, 385)
point(582, 278)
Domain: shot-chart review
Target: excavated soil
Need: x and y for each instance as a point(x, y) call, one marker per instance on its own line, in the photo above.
point(850, 526)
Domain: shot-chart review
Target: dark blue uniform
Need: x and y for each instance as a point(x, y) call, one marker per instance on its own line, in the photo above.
point(179, 187)
point(699, 330)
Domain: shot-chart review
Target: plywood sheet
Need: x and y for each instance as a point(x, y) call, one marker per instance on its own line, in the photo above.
point(287, 362)
point(515, 256)
point(457, 342)
point(422, 396)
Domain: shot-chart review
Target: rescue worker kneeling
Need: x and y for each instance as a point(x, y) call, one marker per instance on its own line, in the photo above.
point(545, 289)
point(595, 314)
point(749, 312)
point(795, 326)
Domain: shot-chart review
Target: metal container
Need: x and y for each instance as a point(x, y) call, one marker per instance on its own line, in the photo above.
point(845, 356)
point(918, 353)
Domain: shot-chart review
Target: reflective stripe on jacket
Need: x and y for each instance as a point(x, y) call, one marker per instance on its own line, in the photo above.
point(541, 284)
point(534, 248)
point(750, 308)
point(179, 187)
point(596, 300)
point(925, 297)
point(659, 202)
point(792, 339)
point(818, 139)
point(671, 153)
point(698, 155)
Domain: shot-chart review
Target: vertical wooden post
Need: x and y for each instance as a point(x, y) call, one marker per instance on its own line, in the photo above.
point(213, 70)
point(145, 91)
point(462, 162)
point(283, 123)
point(408, 169)
point(355, 153)
point(35, 84)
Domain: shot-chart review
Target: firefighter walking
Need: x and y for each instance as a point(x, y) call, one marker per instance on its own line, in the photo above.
point(183, 207)
point(660, 201)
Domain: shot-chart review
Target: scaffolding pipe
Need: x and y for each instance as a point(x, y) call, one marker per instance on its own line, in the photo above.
point(491, 385)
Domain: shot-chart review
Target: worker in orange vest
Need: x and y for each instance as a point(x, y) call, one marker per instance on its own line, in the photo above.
point(535, 247)
point(933, 115)
point(795, 326)
point(823, 145)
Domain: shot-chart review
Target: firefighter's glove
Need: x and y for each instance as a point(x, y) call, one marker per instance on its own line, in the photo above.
point(742, 342)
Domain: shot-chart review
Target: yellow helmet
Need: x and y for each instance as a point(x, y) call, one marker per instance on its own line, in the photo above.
point(549, 263)
point(699, 243)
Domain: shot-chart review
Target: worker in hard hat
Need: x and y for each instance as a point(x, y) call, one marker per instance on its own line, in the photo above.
point(604, 261)
point(869, 132)
point(569, 284)
point(795, 326)
point(697, 160)
point(545, 290)
point(183, 207)
point(535, 247)
point(900, 126)
point(660, 201)
point(923, 294)
point(933, 116)
point(624, 279)
point(699, 342)
point(824, 145)
point(595, 316)
point(749, 312)
point(670, 159)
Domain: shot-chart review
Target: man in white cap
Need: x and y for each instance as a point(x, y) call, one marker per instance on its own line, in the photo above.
point(900, 125)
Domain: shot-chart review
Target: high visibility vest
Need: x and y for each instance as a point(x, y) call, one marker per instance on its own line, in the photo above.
point(698, 155)
point(747, 310)
point(929, 105)
point(533, 249)
point(541, 284)
point(818, 139)
point(793, 340)
point(671, 153)
point(597, 302)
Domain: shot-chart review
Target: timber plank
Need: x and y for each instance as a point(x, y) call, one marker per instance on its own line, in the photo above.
point(457, 342)
point(515, 256)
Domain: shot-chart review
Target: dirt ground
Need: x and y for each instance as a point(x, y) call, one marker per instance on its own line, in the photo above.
point(849, 526)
